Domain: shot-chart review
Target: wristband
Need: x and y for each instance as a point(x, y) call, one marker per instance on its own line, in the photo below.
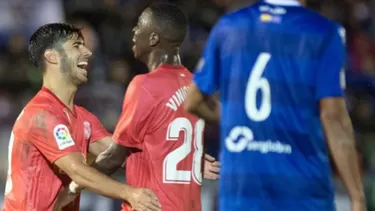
point(73, 187)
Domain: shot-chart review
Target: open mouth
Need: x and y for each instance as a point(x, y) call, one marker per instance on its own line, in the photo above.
point(82, 67)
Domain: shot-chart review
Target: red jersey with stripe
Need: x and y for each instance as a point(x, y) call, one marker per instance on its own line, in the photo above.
point(45, 131)
point(167, 141)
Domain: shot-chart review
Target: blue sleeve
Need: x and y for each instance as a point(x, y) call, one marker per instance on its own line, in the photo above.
point(207, 73)
point(330, 80)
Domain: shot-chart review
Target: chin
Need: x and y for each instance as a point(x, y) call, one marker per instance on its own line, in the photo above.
point(81, 80)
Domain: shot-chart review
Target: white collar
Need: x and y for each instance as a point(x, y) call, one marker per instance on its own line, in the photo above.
point(284, 2)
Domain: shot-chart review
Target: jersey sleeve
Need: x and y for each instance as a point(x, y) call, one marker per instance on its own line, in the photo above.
point(98, 132)
point(136, 114)
point(207, 73)
point(330, 80)
point(51, 135)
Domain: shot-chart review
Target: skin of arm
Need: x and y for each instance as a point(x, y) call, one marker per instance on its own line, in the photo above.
point(107, 157)
point(111, 159)
point(205, 107)
point(85, 176)
point(338, 130)
point(98, 147)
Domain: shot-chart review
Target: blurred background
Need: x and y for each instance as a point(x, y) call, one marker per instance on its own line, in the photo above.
point(107, 28)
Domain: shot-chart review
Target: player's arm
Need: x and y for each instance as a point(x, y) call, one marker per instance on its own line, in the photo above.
point(51, 136)
point(330, 84)
point(202, 105)
point(111, 159)
point(99, 146)
point(200, 98)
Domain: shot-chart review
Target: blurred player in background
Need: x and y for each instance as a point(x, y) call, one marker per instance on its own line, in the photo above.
point(162, 141)
point(279, 69)
point(52, 136)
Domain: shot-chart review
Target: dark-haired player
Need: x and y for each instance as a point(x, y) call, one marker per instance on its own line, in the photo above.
point(279, 69)
point(52, 136)
point(164, 142)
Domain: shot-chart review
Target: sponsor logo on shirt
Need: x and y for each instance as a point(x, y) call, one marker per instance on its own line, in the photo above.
point(270, 18)
point(241, 138)
point(62, 137)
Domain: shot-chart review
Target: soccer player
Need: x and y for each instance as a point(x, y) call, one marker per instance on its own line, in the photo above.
point(162, 141)
point(52, 137)
point(279, 70)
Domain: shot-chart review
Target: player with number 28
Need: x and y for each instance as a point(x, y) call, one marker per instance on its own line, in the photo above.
point(162, 142)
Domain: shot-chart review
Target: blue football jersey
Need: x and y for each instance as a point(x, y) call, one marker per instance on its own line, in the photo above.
point(272, 63)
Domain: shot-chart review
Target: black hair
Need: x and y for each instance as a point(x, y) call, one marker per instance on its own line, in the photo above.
point(50, 36)
point(171, 20)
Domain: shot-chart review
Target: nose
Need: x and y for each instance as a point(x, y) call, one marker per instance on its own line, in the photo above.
point(86, 52)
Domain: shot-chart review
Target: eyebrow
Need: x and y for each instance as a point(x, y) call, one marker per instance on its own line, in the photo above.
point(79, 42)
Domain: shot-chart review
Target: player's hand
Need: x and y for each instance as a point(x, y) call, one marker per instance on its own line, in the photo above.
point(211, 167)
point(359, 205)
point(64, 198)
point(142, 199)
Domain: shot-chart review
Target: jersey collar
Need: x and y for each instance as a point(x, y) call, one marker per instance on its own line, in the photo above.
point(284, 2)
point(49, 92)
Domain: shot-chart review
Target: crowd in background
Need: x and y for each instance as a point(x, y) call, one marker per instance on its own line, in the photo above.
point(107, 28)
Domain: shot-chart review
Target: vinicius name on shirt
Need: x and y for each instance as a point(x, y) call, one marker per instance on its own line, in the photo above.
point(241, 138)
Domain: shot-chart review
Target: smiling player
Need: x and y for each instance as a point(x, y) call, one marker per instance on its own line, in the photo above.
point(52, 136)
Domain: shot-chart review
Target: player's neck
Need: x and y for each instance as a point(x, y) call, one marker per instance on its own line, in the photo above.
point(159, 57)
point(63, 90)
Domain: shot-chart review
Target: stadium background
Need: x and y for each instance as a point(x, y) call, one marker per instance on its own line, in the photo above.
point(107, 28)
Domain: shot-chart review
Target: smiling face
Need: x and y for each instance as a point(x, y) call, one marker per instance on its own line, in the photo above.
point(74, 57)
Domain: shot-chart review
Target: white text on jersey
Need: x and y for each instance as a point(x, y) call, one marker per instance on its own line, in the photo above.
point(177, 99)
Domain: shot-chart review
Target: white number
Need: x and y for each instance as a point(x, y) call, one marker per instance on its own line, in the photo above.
point(9, 183)
point(170, 172)
point(257, 82)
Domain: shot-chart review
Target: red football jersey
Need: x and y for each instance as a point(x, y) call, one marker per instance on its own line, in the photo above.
point(45, 131)
point(168, 141)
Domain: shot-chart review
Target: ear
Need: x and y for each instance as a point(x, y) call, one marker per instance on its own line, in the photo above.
point(51, 56)
point(154, 39)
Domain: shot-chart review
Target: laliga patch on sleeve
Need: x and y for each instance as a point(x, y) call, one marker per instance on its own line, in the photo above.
point(62, 137)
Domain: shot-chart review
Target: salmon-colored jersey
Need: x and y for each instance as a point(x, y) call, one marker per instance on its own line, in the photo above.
point(167, 141)
point(45, 131)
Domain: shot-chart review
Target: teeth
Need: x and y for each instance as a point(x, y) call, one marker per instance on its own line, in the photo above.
point(82, 63)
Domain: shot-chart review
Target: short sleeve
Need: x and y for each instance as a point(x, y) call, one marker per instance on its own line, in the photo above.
point(98, 132)
point(330, 80)
point(135, 116)
point(51, 135)
point(207, 72)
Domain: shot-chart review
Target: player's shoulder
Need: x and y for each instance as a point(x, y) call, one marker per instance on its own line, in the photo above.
point(317, 22)
point(82, 110)
point(41, 105)
point(139, 81)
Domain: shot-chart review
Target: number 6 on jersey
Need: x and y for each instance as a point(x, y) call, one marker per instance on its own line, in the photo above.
point(257, 82)
point(170, 172)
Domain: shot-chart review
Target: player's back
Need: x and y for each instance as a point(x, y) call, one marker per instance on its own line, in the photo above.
point(273, 60)
point(171, 156)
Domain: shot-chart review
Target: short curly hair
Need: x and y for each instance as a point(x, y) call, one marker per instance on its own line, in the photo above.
point(171, 20)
